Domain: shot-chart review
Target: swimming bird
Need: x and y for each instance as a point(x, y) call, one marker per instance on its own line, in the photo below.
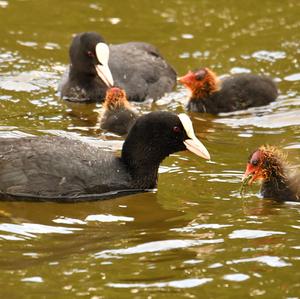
point(268, 164)
point(136, 67)
point(211, 95)
point(117, 115)
point(59, 169)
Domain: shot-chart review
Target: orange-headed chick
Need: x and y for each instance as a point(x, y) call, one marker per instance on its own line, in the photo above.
point(268, 165)
point(117, 115)
point(211, 95)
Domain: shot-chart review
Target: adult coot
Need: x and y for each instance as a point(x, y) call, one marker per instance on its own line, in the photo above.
point(117, 115)
point(94, 66)
point(279, 182)
point(55, 168)
point(211, 95)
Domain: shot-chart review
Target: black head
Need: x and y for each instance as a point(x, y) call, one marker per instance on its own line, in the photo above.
point(89, 54)
point(156, 135)
point(83, 51)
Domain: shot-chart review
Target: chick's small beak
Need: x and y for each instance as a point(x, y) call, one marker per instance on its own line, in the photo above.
point(250, 175)
point(186, 79)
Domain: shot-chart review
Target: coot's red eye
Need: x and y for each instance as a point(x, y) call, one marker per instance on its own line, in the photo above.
point(90, 53)
point(176, 129)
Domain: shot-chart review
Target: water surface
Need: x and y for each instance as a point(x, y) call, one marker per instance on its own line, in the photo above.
point(194, 237)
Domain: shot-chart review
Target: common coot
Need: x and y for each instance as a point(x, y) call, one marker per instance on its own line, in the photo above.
point(211, 95)
point(136, 67)
point(59, 169)
point(269, 165)
point(117, 115)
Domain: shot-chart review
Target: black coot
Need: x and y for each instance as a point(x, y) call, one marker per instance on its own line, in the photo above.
point(117, 115)
point(58, 169)
point(94, 66)
point(211, 95)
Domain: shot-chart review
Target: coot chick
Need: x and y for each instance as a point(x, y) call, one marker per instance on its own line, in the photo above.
point(211, 95)
point(269, 165)
point(117, 115)
point(94, 66)
point(59, 169)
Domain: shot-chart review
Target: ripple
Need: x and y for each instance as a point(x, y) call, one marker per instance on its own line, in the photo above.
point(223, 177)
point(236, 277)
point(33, 279)
point(184, 55)
point(196, 226)
point(168, 169)
point(295, 247)
point(185, 283)
point(67, 220)
point(155, 246)
point(114, 21)
point(252, 234)
point(108, 218)
point(51, 46)
point(293, 146)
point(293, 77)
point(239, 70)
point(7, 84)
point(215, 265)
point(269, 55)
point(295, 226)
point(7, 57)
point(3, 4)
point(271, 261)
point(192, 262)
point(187, 36)
point(27, 43)
point(273, 121)
point(10, 238)
point(95, 6)
point(29, 230)
point(245, 135)
point(28, 81)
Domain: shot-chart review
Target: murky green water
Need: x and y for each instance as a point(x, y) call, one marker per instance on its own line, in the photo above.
point(195, 237)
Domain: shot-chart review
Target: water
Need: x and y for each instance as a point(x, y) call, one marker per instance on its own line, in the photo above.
point(195, 236)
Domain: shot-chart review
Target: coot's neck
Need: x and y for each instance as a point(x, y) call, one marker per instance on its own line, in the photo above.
point(93, 88)
point(142, 161)
point(81, 75)
point(277, 186)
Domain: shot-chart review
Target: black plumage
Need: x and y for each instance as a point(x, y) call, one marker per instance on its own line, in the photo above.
point(59, 169)
point(211, 95)
point(136, 67)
